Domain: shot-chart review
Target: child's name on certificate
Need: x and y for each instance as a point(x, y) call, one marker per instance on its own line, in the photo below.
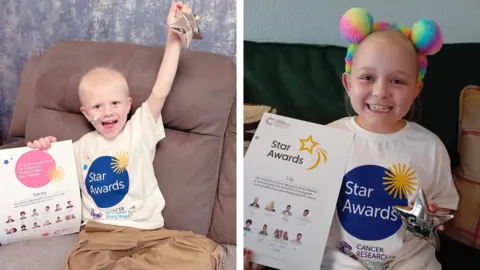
point(40, 195)
point(293, 172)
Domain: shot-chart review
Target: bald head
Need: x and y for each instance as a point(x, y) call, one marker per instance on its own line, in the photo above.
point(391, 39)
point(101, 80)
point(395, 36)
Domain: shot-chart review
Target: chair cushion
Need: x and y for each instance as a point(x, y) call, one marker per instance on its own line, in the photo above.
point(45, 254)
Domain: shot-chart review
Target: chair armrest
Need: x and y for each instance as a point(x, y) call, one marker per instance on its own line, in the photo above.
point(19, 143)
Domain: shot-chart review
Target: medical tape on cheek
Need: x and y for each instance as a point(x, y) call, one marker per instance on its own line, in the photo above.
point(94, 119)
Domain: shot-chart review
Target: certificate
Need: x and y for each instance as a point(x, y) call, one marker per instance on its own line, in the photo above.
point(293, 172)
point(40, 196)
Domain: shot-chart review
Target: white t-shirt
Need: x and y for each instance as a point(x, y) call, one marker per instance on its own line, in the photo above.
point(385, 170)
point(117, 179)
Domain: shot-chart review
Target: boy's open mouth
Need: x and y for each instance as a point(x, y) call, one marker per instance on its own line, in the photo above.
point(378, 108)
point(109, 124)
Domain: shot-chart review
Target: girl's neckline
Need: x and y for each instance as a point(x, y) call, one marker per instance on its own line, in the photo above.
point(378, 136)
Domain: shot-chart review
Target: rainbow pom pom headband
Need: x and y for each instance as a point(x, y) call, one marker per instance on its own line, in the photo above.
point(425, 35)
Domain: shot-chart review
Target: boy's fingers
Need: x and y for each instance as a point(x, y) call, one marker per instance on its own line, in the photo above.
point(186, 8)
point(37, 144)
point(31, 145)
point(45, 143)
point(173, 6)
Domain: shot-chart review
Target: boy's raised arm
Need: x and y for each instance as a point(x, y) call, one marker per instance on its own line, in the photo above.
point(168, 68)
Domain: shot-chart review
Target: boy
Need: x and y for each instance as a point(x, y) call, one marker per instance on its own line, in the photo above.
point(121, 201)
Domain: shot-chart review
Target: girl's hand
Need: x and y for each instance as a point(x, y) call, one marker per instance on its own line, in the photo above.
point(176, 6)
point(433, 207)
point(247, 265)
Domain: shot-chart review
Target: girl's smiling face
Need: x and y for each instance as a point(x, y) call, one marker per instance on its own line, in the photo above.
point(383, 82)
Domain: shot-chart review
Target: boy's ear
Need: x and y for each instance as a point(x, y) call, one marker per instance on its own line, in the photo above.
point(84, 112)
point(346, 82)
point(129, 100)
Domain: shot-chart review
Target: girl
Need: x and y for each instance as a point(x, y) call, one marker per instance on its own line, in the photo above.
point(391, 159)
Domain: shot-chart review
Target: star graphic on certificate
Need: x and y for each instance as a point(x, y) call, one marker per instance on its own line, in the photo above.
point(308, 144)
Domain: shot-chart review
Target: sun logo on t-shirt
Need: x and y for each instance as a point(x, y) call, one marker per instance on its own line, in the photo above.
point(119, 162)
point(400, 180)
point(310, 146)
point(55, 173)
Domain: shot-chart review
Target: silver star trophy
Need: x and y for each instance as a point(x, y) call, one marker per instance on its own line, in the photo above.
point(420, 221)
point(186, 27)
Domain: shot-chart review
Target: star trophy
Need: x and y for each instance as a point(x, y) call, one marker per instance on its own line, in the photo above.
point(420, 221)
point(186, 26)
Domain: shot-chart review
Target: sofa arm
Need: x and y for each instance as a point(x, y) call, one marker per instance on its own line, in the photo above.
point(19, 143)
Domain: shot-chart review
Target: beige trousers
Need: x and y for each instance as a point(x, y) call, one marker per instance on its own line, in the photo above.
point(107, 247)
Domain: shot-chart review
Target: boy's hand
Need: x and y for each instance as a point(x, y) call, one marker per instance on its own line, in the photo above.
point(176, 6)
point(247, 265)
point(42, 143)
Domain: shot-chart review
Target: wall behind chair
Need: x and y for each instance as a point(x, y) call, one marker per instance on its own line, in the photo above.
point(29, 27)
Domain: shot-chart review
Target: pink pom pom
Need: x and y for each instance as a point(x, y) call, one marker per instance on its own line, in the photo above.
point(355, 25)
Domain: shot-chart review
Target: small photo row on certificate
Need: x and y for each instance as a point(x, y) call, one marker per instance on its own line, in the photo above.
point(33, 218)
point(274, 234)
point(286, 212)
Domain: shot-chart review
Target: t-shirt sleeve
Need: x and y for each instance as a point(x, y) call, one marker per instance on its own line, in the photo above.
point(445, 194)
point(144, 126)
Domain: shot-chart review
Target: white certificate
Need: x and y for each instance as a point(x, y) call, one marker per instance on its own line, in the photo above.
point(40, 194)
point(293, 172)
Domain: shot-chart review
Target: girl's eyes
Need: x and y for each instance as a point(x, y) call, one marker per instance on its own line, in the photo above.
point(367, 77)
point(396, 81)
point(370, 78)
point(116, 103)
point(96, 107)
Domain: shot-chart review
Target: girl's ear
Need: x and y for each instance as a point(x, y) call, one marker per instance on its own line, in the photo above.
point(346, 82)
point(418, 88)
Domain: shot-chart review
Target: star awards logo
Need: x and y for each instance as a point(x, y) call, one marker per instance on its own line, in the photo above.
point(107, 179)
point(312, 147)
point(400, 180)
point(368, 196)
point(119, 162)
